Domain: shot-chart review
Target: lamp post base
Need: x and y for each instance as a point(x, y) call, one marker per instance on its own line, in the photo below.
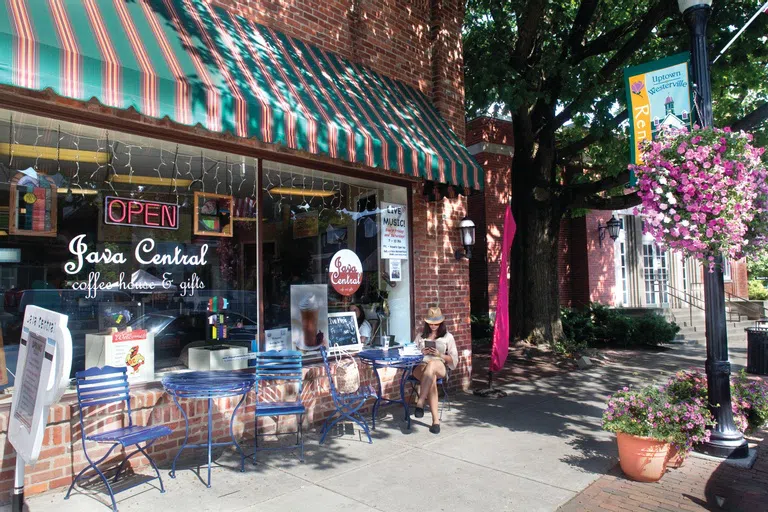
point(725, 447)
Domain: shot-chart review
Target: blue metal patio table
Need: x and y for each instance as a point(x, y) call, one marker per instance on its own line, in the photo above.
point(208, 385)
point(391, 358)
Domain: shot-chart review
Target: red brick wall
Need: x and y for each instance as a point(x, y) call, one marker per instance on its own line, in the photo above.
point(739, 281)
point(416, 41)
point(590, 275)
point(438, 277)
point(62, 455)
point(487, 210)
point(602, 275)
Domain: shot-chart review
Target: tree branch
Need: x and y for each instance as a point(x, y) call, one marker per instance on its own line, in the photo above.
point(644, 29)
point(606, 203)
point(753, 119)
point(577, 146)
point(602, 44)
point(527, 28)
point(601, 185)
point(580, 25)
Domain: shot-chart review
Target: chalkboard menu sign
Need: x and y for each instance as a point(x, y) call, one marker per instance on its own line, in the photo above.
point(342, 332)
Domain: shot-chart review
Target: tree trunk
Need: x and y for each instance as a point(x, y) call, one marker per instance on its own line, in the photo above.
point(534, 284)
point(534, 296)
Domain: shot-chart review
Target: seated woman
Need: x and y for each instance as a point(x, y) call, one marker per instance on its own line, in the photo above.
point(439, 349)
point(362, 324)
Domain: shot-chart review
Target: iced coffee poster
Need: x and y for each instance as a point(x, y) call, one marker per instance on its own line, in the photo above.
point(309, 316)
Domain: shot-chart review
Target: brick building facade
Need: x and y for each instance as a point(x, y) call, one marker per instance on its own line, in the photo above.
point(416, 42)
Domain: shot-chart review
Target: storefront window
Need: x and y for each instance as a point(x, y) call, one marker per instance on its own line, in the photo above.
point(309, 217)
point(116, 230)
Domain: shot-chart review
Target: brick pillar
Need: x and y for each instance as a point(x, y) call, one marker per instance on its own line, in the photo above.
point(491, 142)
point(438, 277)
point(447, 64)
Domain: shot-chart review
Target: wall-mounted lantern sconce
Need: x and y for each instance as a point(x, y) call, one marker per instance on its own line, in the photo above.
point(613, 226)
point(467, 230)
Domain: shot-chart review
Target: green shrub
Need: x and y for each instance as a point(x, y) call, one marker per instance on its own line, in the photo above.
point(482, 326)
point(600, 325)
point(653, 329)
point(757, 290)
point(577, 326)
point(611, 325)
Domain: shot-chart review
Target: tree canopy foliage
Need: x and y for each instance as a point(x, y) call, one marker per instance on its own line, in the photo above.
point(556, 67)
point(563, 61)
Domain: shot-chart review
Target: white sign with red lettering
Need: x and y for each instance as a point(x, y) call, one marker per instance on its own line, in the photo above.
point(394, 231)
point(345, 272)
point(135, 351)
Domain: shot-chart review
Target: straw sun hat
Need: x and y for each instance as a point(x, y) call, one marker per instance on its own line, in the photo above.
point(434, 316)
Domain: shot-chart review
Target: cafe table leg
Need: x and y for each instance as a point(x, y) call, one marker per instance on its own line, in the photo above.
point(403, 379)
point(232, 433)
point(210, 438)
point(378, 395)
point(186, 435)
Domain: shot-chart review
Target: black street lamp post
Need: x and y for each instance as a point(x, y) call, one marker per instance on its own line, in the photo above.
point(726, 439)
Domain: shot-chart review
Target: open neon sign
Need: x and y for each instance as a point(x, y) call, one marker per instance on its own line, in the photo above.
point(136, 212)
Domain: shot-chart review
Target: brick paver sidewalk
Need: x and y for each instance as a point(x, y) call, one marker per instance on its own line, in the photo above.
point(699, 485)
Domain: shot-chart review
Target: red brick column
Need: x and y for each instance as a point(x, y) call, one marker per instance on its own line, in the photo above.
point(491, 142)
point(438, 277)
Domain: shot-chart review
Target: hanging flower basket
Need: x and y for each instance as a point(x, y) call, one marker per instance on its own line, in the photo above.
point(704, 193)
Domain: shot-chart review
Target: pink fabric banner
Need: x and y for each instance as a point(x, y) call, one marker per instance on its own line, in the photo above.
point(500, 348)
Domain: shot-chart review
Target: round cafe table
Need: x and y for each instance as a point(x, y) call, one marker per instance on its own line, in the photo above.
point(391, 358)
point(208, 386)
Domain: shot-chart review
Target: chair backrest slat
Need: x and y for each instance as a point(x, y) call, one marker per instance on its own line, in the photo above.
point(101, 386)
point(274, 366)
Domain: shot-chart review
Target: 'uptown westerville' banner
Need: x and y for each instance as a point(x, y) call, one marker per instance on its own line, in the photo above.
point(658, 96)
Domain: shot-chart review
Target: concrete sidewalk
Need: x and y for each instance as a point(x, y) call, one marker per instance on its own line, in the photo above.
point(533, 450)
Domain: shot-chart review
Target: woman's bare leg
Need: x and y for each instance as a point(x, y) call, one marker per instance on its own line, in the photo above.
point(433, 403)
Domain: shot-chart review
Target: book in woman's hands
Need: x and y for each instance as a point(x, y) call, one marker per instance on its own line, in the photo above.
point(430, 344)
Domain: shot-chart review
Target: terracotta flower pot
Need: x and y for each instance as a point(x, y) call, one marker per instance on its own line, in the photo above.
point(675, 458)
point(642, 459)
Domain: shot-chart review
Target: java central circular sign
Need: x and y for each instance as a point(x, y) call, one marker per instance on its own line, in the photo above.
point(345, 272)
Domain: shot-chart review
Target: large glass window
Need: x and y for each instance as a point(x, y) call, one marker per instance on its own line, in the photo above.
point(116, 230)
point(308, 218)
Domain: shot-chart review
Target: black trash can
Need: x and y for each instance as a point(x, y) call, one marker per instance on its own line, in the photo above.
point(757, 350)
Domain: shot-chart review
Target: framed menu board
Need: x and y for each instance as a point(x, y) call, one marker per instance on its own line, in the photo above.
point(32, 210)
point(213, 214)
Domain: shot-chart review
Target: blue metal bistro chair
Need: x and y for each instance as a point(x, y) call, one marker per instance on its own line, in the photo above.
point(279, 366)
point(348, 405)
point(108, 385)
point(442, 382)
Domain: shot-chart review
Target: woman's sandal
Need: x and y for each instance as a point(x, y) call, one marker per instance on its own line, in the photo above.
point(419, 412)
point(435, 429)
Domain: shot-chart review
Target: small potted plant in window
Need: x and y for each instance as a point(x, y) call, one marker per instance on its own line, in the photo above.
point(636, 417)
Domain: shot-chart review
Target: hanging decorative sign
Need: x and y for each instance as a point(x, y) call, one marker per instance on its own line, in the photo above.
point(305, 225)
point(394, 231)
point(345, 272)
point(135, 351)
point(137, 212)
point(658, 96)
point(32, 209)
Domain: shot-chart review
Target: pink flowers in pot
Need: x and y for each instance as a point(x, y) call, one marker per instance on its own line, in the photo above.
point(704, 192)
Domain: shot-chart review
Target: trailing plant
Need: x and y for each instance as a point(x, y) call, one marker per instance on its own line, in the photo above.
point(704, 193)
point(750, 401)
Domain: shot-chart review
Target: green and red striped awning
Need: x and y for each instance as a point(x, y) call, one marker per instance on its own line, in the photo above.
point(199, 64)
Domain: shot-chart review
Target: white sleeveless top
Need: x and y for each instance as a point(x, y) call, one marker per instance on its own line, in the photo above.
point(445, 345)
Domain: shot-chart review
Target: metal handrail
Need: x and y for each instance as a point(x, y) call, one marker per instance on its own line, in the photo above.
point(729, 297)
point(685, 299)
